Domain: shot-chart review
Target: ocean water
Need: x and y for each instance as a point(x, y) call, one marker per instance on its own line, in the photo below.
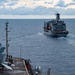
point(27, 40)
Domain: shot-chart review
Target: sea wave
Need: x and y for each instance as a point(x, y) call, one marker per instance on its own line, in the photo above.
point(71, 39)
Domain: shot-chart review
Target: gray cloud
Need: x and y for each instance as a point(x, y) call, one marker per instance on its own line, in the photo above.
point(18, 11)
point(73, 3)
point(11, 4)
point(61, 3)
point(39, 10)
point(48, 2)
point(43, 11)
point(2, 1)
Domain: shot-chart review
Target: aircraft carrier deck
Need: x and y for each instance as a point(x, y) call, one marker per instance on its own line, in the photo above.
point(19, 68)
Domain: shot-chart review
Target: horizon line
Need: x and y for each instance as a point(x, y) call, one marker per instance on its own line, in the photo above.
point(35, 16)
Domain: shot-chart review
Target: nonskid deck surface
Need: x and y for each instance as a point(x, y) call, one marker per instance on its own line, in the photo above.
point(18, 69)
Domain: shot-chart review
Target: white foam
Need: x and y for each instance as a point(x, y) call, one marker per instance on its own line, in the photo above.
point(40, 33)
point(61, 38)
point(71, 39)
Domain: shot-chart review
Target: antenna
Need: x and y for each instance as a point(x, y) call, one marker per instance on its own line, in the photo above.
point(58, 17)
point(7, 45)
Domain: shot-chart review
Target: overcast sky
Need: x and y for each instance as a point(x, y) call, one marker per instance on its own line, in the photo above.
point(37, 7)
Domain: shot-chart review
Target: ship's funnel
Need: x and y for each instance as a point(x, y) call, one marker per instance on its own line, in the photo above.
point(58, 17)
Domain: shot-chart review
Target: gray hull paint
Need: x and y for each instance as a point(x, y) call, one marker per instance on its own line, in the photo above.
point(50, 33)
point(2, 58)
point(2, 49)
point(55, 27)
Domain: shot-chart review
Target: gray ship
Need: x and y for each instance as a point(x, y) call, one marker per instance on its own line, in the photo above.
point(1, 49)
point(3, 61)
point(56, 27)
point(1, 54)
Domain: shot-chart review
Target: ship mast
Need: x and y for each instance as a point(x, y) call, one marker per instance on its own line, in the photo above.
point(7, 45)
point(58, 17)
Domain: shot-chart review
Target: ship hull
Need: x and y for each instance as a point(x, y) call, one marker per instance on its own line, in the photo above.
point(2, 55)
point(2, 58)
point(56, 34)
point(2, 49)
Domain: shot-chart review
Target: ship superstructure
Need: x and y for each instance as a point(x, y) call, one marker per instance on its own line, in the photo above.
point(56, 27)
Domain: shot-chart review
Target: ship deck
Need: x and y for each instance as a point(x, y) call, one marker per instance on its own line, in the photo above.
point(19, 68)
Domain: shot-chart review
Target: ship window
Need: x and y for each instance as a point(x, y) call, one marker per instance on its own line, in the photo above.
point(59, 27)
